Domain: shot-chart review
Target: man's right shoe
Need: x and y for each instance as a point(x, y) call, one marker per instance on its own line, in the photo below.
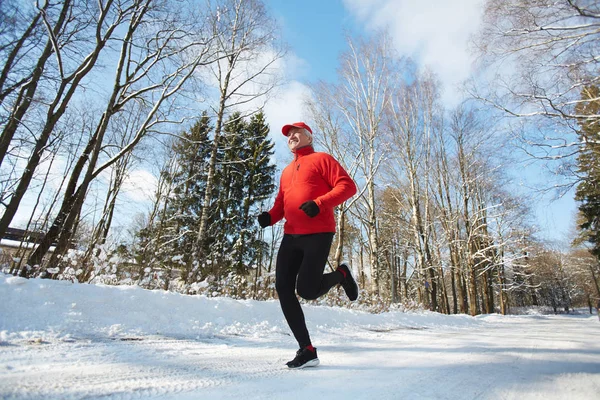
point(349, 284)
point(304, 358)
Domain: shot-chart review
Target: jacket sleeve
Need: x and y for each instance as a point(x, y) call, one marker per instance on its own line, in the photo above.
point(342, 186)
point(277, 211)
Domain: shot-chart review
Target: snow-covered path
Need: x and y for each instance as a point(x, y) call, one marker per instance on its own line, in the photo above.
point(388, 356)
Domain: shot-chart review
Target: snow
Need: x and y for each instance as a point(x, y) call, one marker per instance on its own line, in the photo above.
point(71, 341)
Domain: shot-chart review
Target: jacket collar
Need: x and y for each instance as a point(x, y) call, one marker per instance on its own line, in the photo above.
point(303, 151)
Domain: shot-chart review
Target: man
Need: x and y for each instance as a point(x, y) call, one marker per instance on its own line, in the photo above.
point(311, 186)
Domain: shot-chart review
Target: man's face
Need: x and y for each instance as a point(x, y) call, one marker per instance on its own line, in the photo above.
point(297, 139)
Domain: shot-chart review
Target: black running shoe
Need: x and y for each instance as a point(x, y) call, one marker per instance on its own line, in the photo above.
point(349, 284)
point(304, 358)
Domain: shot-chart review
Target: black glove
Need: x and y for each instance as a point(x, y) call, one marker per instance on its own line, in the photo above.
point(264, 219)
point(310, 208)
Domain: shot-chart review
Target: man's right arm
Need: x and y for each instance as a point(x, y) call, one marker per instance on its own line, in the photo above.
point(277, 211)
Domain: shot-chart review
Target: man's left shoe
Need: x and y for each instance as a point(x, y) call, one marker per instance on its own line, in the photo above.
point(304, 358)
point(349, 284)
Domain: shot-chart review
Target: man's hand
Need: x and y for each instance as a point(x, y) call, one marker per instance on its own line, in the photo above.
point(264, 219)
point(310, 208)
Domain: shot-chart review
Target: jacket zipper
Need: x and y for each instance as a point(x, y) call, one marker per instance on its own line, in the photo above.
point(296, 167)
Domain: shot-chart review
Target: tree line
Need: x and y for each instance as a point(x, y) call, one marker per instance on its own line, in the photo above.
point(86, 86)
point(436, 222)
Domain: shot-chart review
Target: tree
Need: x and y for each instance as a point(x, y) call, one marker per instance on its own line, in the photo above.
point(73, 65)
point(158, 56)
point(587, 272)
point(396, 240)
point(367, 75)
point(225, 224)
point(244, 179)
point(554, 280)
point(588, 161)
point(258, 185)
point(411, 123)
point(544, 57)
point(22, 72)
point(541, 55)
point(20, 35)
point(246, 49)
point(185, 201)
point(149, 248)
point(123, 128)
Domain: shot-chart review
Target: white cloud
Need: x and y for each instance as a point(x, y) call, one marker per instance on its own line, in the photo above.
point(281, 104)
point(284, 103)
point(286, 106)
point(140, 185)
point(435, 34)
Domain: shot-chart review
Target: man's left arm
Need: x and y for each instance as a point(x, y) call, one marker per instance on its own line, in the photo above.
point(342, 186)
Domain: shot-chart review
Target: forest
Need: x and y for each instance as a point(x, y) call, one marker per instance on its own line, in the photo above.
point(92, 90)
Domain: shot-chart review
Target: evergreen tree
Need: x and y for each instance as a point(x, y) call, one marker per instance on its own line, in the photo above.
point(588, 160)
point(228, 192)
point(191, 151)
point(258, 185)
point(245, 178)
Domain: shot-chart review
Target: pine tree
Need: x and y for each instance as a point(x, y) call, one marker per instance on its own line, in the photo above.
point(185, 203)
point(228, 192)
point(245, 178)
point(258, 186)
point(588, 160)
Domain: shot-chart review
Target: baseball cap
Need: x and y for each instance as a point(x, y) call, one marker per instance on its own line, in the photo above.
point(286, 128)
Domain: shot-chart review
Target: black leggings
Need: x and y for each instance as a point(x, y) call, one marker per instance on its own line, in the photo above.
point(300, 264)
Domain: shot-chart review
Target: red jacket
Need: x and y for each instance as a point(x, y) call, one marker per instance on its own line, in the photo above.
point(311, 176)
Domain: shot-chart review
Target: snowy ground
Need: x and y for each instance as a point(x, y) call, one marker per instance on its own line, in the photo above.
point(60, 340)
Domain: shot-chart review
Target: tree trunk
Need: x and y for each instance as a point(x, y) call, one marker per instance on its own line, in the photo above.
point(341, 225)
point(12, 56)
point(502, 294)
point(454, 292)
point(472, 289)
point(208, 194)
point(55, 112)
point(595, 279)
point(24, 100)
point(404, 272)
point(72, 201)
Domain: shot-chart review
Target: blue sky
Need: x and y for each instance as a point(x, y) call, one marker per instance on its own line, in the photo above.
point(315, 33)
point(436, 37)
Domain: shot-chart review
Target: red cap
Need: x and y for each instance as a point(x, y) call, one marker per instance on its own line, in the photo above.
point(286, 128)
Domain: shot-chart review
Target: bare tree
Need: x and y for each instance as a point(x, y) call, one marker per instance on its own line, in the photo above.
point(69, 81)
point(396, 234)
point(151, 229)
point(367, 74)
point(20, 32)
point(22, 71)
point(329, 122)
point(245, 44)
point(491, 222)
point(588, 271)
point(541, 55)
point(411, 124)
point(123, 130)
point(448, 209)
point(158, 56)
